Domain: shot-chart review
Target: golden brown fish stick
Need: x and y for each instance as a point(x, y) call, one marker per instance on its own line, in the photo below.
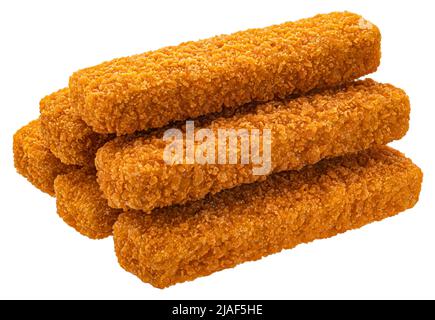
point(33, 159)
point(81, 205)
point(152, 89)
point(67, 135)
point(181, 243)
point(80, 202)
point(132, 173)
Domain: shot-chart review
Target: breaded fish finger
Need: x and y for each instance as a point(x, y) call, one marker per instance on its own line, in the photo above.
point(33, 159)
point(67, 135)
point(132, 173)
point(81, 205)
point(152, 89)
point(181, 243)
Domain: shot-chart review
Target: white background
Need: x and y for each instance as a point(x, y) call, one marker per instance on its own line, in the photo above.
point(43, 42)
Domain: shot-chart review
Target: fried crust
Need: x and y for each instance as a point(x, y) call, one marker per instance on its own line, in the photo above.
point(80, 202)
point(132, 173)
point(81, 205)
point(195, 78)
point(67, 135)
point(249, 222)
point(33, 159)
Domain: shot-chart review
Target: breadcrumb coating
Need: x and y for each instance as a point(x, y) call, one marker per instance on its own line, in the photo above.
point(67, 135)
point(181, 243)
point(152, 89)
point(81, 205)
point(80, 202)
point(132, 172)
point(33, 159)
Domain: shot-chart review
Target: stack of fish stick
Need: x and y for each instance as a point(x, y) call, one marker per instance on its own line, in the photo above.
point(132, 148)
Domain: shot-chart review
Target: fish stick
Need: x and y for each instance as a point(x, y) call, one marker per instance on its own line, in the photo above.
point(69, 138)
point(181, 243)
point(33, 159)
point(133, 173)
point(152, 89)
point(80, 202)
point(81, 205)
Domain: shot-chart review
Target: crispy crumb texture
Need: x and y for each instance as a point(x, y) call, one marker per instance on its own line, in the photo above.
point(132, 172)
point(150, 90)
point(182, 243)
point(67, 135)
point(33, 159)
point(81, 205)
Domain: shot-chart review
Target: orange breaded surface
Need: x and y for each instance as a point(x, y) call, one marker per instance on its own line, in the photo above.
point(80, 202)
point(81, 205)
point(33, 159)
point(132, 172)
point(150, 90)
point(182, 243)
point(67, 135)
